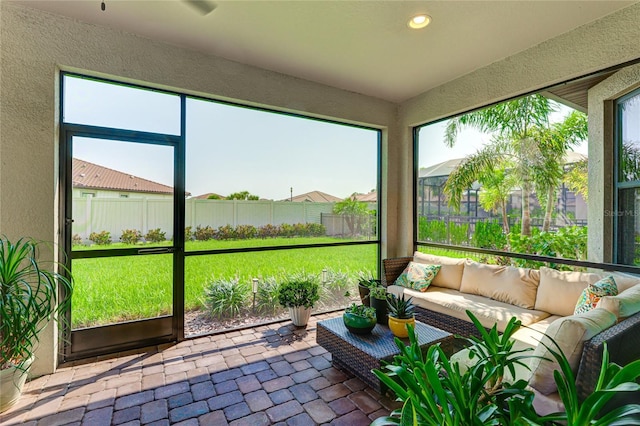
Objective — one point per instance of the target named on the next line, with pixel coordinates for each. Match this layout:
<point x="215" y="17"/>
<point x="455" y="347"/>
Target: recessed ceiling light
<point x="419" y="21"/>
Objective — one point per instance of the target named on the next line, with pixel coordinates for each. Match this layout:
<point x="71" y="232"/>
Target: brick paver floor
<point x="269" y="375"/>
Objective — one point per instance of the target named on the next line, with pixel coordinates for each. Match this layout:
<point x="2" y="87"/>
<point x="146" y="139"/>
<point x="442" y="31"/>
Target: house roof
<point x="207" y="195"/>
<point x="94" y="176"/>
<point x="291" y="37"/>
<point x="441" y="169"/>
<point x="370" y="197"/>
<point x="314" y="197"/>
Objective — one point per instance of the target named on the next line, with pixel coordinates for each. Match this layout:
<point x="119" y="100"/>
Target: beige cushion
<point x="517" y="286"/>
<point x="558" y="292"/>
<point x="454" y="303"/>
<point x="450" y="274"/>
<point x="546" y="404"/>
<point x="623" y="281"/>
<point x="624" y="304"/>
<point x="530" y="335"/>
<point x="569" y="333"/>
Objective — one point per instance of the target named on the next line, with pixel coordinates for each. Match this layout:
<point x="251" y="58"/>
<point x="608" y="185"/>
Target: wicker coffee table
<point x="361" y="353"/>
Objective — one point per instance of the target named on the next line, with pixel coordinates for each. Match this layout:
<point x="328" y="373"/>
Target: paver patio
<point x="268" y="375"/>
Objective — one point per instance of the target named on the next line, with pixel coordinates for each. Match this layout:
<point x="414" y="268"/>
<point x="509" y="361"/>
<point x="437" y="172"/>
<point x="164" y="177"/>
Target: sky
<point x="229" y="148"/>
<point x="232" y="149"/>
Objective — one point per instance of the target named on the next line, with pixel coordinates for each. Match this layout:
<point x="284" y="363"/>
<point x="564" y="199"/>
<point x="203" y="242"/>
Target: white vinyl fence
<point x="142" y="214"/>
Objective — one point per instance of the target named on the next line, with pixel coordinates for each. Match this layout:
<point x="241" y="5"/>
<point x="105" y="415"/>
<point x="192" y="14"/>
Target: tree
<point x="553" y="143"/>
<point x="576" y="178"/>
<point x="243" y="195"/>
<point x="513" y="125"/>
<point x="354" y="212"/>
<point x="496" y="187"/>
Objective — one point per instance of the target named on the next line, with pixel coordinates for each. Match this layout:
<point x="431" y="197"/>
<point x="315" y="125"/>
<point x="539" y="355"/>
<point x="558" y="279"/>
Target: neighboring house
<point x="314" y="197"/>
<point x="370" y="197"/>
<point x="432" y="201"/>
<point x="207" y="195"/>
<point x="93" y="180"/>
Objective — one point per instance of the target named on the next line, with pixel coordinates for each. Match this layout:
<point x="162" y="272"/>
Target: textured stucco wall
<point x="601" y="159"/>
<point x="607" y="42"/>
<point x="36" y="45"/>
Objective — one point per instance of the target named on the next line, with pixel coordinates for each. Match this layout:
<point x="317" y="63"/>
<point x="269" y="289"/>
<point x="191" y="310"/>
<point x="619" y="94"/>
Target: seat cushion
<point x="558" y="292"/>
<point x="455" y="304"/>
<point x="569" y="334"/>
<point x="517" y="286"/>
<point x="450" y="273"/>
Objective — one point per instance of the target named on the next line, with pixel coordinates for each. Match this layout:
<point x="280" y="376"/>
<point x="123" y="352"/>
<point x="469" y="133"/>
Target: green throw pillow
<point x="417" y="276"/>
<point x="591" y="295"/>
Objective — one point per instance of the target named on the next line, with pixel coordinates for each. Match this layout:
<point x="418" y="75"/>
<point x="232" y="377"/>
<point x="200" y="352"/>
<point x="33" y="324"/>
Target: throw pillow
<point x="417" y="276"/>
<point x="592" y="294"/>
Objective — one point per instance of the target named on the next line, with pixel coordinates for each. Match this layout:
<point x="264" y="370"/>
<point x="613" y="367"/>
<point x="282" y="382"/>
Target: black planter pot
<point x="380" y="306"/>
<point x="364" y="294"/>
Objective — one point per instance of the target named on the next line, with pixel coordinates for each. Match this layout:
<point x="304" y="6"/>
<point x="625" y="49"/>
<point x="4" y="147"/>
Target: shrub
<point x="101" y="238"/>
<point x="225" y="233"/>
<point x="267" y="297"/>
<point x="204" y="233"/>
<point x="316" y="229"/>
<point x="299" y="290"/>
<point x="76" y="240"/>
<point x="245" y="232"/>
<point x="489" y="235"/>
<point x="131" y="236"/>
<point x="188" y="233"/>
<point x="268" y="231"/>
<point x="226" y="298"/>
<point x="432" y="230"/>
<point x="569" y="243"/>
<point x="287" y="230"/>
<point x="155" y="236"/>
<point x="459" y="233"/>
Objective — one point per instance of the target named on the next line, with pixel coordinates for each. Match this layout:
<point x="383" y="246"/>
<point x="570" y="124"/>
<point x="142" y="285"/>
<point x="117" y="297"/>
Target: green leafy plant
<point x="188" y="233"/>
<point x="226" y="298"/>
<point x="299" y="290"/>
<point x="130" y="236"/>
<point x="432" y="230"/>
<point x="267" y="297"/>
<point x="204" y="233"/>
<point x="28" y="298"/>
<point x="459" y="233"/>
<point x="366" y="279"/>
<point x="399" y="307"/>
<point x="76" y="240"/>
<point x="361" y="311"/>
<point x="101" y="238"/>
<point x="378" y="292"/>
<point x="155" y="236"/>
<point x="489" y="235"/>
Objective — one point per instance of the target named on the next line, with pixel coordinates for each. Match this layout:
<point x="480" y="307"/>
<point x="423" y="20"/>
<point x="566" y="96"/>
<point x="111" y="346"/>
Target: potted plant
<point x="29" y="299"/>
<point x="359" y="319"/>
<point x="378" y="301"/>
<point x="400" y="314"/>
<point x="365" y="283"/>
<point x="299" y="294"/>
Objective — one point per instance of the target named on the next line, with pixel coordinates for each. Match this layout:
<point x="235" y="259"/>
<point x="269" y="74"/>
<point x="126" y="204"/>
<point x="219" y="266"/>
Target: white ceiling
<point x="362" y="46"/>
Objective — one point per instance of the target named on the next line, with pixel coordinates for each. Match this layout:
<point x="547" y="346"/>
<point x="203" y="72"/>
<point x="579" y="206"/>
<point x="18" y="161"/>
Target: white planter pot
<point x="12" y="381"/>
<point x="300" y="315"/>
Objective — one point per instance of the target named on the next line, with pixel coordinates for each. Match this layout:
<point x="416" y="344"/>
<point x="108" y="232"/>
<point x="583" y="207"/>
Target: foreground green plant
<point x="437" y="391"/>
<point x="28" y="299"/>
<point x="226" y="298"/>
<point x="299" y="290"/>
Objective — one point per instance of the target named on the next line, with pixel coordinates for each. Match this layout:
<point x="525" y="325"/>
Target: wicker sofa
<point x="544" y="301"/>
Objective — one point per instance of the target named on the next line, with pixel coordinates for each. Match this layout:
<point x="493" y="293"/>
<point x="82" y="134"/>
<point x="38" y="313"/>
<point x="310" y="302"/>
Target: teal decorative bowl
<point x="357" y="324"/>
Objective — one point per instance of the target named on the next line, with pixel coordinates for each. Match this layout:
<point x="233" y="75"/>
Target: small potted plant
<point x="359" y="319"/>
<point x="378" y="301"/>
<point x="29" y="288"/>
<point x="365" y="283"/>
<point x="299" y="294"/>
<point x="400" y="314"/>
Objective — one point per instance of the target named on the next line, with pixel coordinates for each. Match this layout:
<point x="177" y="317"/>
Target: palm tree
<point x="553" y="143"/>
<point x="513" y="125"/>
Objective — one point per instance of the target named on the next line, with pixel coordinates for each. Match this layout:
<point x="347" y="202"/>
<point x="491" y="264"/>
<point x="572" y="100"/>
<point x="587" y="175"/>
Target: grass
<point x="116" y="289"/>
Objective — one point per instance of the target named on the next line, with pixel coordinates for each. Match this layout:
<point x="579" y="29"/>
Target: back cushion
<point x="624" y="304"/>
<point x="507" y="284"/>
<point x="569" y="333"/>
<point x="558" y="291"/>
<point x="450" y="273"/>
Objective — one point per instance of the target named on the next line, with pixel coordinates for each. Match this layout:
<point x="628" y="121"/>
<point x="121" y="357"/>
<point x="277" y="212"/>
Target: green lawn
<point x="131" y="287"/>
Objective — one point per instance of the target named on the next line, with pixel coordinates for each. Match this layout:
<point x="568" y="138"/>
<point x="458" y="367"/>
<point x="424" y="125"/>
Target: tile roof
<point x="94" y="176"/>
<point x="370" y="197"/>
<point x="315" y="197"/>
